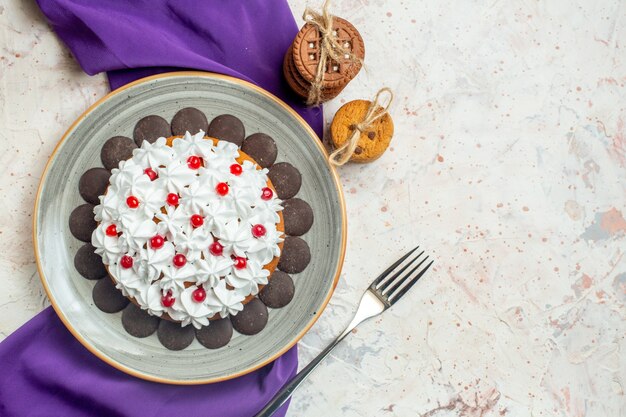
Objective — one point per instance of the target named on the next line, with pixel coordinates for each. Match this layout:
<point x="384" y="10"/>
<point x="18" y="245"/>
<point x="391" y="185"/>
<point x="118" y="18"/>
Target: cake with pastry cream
<point x="189" y="228"/>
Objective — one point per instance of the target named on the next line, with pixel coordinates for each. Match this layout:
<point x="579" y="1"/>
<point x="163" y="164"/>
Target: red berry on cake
<point x="216" y="249"/>
<point x="258" y="230"/>
<point x="236" y="169"/>
<point x="150" y="173"/>
<point x="157" y="242"/>
<point x="267" y="193"/>
<point x="240" y="262"/>
<point x="172" y="199"/>
<point x="132" y="202"/>
<point x="197" y="220"/>
<point x="180" y="260"/>
<point x="126" y="262"/>
<point x="199" y="295"/>
<point x="167" y="300"/>
<point x="221" y="188"/>
<point x="111" y="230"/>
<point x="194" y="162"/>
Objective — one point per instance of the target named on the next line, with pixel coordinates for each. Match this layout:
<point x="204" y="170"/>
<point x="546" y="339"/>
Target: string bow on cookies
<point x="368" y="138"/>
<point x="331" y="49"/>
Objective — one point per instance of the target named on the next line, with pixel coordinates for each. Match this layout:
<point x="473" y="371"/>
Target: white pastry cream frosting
<point x="187" y="230"/>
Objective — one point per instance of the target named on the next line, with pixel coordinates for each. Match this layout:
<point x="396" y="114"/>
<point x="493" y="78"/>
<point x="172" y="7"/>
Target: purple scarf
<point x="45" y="371"/>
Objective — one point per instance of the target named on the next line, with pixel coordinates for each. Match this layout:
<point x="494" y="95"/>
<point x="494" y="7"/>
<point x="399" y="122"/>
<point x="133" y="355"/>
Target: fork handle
<point x="284" y="394"/>
<point x="368" y="307"/>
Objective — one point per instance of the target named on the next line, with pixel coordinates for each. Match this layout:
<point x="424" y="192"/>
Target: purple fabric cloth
<point x="246" y="39"/>
<point x="45" y="371"/>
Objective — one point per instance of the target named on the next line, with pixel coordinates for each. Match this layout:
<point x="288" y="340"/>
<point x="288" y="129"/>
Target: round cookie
<point x="299" y="85"/>
<point x="115" y="150"/>
<point x="306" y="56"/>
<point x="252" y="319"/>
<point x="217" y="334"/>
<point x="227" y="127"/>
<point x="82" y="222"/>
<point x="298" y="216"/>
<point x="296" y="255"/>
<point x="137" y="322"/>
<point x="108" y="298"/>
<point x="279" y="291"/>
<point x="286" y="179"/>
<point x="189" y="120"/>
<point x="93" y="183"/>
<point x="261" y="148"/>
<point x="88" y="263"/>
<point x="290" y="76"/>
<point x="173" y="336"/>
<point x="151" y="128"/>
<point x="373" y="142"/>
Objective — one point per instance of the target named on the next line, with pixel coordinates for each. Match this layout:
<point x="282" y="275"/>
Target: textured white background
<point x="508" y="164"/>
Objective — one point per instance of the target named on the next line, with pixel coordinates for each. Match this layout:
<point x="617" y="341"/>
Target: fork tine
<point x="396" y="296"/>
<point x="398" y="282"/>
<point x="392" y="267"/>
<point x="384" y="285"/>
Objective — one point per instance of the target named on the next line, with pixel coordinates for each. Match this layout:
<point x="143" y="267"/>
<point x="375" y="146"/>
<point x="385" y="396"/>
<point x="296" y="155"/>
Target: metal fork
<point x="384" y="292"/>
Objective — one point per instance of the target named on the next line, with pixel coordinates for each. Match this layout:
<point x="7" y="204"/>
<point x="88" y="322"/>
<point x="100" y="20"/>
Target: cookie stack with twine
<point x="325" y="56"/>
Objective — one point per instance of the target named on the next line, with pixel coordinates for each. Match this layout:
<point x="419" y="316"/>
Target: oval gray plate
<point x="79" y="150"/>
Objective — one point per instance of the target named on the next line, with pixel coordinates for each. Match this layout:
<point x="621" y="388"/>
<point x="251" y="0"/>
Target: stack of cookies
<point x="302" y="58"/>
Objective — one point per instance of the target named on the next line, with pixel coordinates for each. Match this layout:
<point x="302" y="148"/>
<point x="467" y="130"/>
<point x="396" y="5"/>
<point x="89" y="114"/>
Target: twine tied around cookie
<point x="329" y="48"/>
<point x="375" y="111"/>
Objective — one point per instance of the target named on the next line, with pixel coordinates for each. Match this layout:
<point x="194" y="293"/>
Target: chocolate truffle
<point x="286" y="179"/>
<point x="279" y="291"/>
<point x="173" y="336"/>
<point x="261" y="148"/>
<point x="217" y="334"/>
<point x="137" y="322"/>
<point x="227" y="127"/>
<point x="82" y="222"/>
<point x="151" y="128"/>
<point x="296" y="255"/>
<point x="252" y="319"/>
<point x="298" y="216"/>
<point x="189" y="120"/>
<point x="108" y="298"/>
<point x="93" y="183"/>
<point x="88" y="263"/>
<point x="115" y="150"/>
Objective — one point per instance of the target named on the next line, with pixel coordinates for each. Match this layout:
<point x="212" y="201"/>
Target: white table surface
<point x="508" y="164"/>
